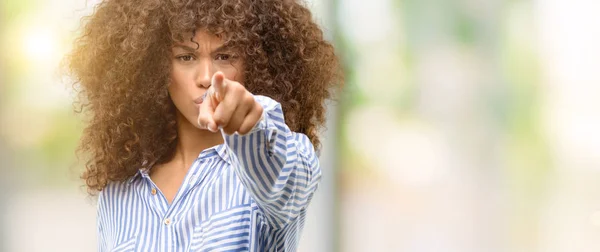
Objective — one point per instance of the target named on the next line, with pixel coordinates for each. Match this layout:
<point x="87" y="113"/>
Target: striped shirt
<point x="248" y="194"/>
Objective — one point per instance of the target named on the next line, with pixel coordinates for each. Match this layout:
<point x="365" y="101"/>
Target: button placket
<point x="155" y="200"/>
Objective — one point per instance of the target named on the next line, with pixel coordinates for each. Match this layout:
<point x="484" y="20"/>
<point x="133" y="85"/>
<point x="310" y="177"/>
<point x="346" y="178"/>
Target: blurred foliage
<point x="49" y="160"/>
<point x="496" y="34"/>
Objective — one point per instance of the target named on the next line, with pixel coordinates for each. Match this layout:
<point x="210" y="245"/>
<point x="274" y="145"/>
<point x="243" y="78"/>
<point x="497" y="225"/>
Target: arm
<point x="278" y="167"/>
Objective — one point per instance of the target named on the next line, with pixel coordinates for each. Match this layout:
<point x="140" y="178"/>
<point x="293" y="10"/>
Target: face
<point x="192" y="67"/>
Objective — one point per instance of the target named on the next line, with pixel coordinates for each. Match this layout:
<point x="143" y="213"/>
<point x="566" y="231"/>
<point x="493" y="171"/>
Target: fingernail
<point x="211" y="127"/>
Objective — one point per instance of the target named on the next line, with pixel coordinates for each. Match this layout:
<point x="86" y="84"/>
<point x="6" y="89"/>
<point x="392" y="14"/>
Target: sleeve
<point x="102" y="245"/>
<point x="278" y="167"/>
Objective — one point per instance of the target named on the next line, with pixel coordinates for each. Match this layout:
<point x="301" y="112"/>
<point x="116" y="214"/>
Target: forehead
<point x="201" y="36"/>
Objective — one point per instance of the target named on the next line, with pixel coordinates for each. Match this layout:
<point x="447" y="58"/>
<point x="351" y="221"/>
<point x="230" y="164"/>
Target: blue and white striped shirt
<point x="248" y="194"/>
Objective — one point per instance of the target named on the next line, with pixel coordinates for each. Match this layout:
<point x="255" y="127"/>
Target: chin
<point x="192" y="120"/>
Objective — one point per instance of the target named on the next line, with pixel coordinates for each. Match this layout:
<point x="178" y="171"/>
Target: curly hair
<point x="120" y="66"/>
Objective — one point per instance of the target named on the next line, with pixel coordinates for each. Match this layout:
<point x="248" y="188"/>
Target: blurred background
<point x="464" y="125"/>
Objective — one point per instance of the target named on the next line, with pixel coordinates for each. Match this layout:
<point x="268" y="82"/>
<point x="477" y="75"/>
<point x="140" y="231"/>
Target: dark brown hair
<point x="120" y="65"/>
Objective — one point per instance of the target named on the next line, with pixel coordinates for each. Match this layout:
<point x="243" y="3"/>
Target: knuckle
<point x="243" y="130"/>
<point x="220" y="121"/>
<point x="249" y="99"/>
<point x="217" y="118"/>
<point x="239" y="89"/>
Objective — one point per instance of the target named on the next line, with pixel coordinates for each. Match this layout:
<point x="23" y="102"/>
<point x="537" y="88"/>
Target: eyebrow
<point x="187" y="48"/>
<point x="221" y="48"/>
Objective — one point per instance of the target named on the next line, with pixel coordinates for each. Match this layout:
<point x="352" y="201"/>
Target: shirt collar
<point x="220" y="151"/>
<point x="141" y="172"/>
<point x="132" y="178"/>
<point x="223" y="152"/>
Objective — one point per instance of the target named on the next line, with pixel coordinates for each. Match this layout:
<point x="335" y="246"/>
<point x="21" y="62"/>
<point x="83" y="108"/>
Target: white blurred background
<point x="465" y="125"/>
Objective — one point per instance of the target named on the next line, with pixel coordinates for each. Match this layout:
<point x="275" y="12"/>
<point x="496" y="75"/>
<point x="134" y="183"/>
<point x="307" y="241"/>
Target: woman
<point x="202" y="121"/>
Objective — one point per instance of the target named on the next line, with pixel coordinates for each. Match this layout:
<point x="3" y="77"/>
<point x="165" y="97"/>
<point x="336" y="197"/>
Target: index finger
<point x="219" y="84"/>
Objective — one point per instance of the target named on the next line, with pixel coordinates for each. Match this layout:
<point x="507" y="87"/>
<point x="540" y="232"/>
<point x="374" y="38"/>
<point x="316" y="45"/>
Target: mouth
<point x="200" y="99"/>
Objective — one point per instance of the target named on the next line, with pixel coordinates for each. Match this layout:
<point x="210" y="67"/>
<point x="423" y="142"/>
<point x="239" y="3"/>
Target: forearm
<point x="277" y="166"/>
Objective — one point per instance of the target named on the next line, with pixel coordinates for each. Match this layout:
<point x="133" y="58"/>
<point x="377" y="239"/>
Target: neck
<point x="191" y="141"/>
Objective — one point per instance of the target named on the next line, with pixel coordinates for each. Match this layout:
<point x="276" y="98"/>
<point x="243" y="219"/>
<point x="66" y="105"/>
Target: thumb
<point x="219" y="84"/>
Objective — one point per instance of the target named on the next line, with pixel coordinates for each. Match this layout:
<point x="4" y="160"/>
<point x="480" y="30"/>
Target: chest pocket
<point x="126" y="246"/>
<point x="229" y="230"/>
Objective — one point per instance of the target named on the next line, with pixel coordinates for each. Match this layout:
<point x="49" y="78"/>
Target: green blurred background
<point x="464" y="125"/>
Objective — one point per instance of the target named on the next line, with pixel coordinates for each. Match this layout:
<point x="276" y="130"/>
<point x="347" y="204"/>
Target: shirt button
<point x="153" y="191"/>
<point x="167" y="221"/>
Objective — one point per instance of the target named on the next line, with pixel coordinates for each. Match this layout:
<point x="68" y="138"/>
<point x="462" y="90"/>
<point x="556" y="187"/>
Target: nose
<point x="205" y="73"/>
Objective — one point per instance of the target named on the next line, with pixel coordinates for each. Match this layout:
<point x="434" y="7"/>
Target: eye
<point x="223" y="56"/>
<point x="185" y="58"/>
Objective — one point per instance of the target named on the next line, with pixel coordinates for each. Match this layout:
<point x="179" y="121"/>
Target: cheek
<point x="235" y="73"/>
<point x="177" y="76"/>
<point x="178" y="82"/>
<point x="174" y="89"/>
<point x="180" y="88"/>
<point x="239" y="77"/>
<point x="178" y="92"/>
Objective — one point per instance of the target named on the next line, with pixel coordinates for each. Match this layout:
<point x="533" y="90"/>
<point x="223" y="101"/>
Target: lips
<point x="200" y="99"/>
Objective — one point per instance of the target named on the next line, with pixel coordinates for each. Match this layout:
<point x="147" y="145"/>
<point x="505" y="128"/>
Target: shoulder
<point x="304" y="145"/>
<point x="267" y="102"/>
<point x="114" y="190"/>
